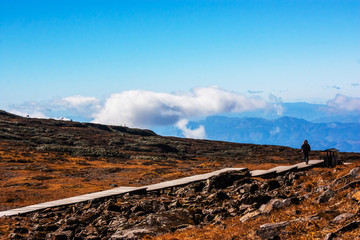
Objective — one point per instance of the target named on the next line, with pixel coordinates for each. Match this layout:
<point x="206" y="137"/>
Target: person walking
<point x="306" y="150"/>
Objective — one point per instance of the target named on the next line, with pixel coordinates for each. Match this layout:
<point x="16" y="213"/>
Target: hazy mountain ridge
<point x="286" y="131"/>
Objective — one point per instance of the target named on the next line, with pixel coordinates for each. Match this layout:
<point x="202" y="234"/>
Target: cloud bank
<point x="140" y="108"/>
<point x="79" y="105"/>
<point x="342" y="102"/>
<point x="146" y="109"/>
<point x="59" y="107"/>
<point x="198" y="133"/>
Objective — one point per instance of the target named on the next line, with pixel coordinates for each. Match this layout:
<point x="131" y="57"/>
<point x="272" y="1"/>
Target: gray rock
<point x="320" y="189"/>
<point x="274" y="204"/>
<point x="342" y="217"/>
<point x="225" y="179"/>
<point x="250" y="215"/>
<point x="63" y="235"/>
<point x="354" y="173"/>
<point x="271" y="230"/>
<point x="325" y="196"/>
<point x="353" y="184"/>
<point x="130" y="234"/>
<point x="164" y="221"/>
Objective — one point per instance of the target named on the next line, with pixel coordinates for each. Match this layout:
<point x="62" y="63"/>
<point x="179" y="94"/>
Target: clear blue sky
<point x="297" y="50"/>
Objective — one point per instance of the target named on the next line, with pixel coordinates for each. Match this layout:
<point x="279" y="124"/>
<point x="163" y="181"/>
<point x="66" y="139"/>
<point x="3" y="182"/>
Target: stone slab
<point x="282" y="169"/>
<point x="311" y="163"/>
<point x="261" y="173"/>
<point x="191" y="179"/>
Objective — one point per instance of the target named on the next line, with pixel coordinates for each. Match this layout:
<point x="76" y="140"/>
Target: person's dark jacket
<point x="305" y="148"/>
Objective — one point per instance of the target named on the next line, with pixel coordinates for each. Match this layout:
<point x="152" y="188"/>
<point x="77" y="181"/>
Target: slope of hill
<point x="45" y="159"/>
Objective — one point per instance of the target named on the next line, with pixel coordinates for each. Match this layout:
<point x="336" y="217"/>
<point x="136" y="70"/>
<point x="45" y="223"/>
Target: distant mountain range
<point x="285" y="131"/>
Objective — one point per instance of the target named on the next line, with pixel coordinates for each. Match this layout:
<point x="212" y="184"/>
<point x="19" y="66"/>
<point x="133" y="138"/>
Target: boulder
<point x="257" y="199"/>
<point x="63" y="235"/>
<point x="225" y="179"/>
<point x="250" y="215"/>
<point x="325" y="196"/>
<point x="271" y="230"/>
<point x="164" y="221"/>
<point x="270" y="185"/>
<point x="274" y="204"/>
<point x="342" y="217"/>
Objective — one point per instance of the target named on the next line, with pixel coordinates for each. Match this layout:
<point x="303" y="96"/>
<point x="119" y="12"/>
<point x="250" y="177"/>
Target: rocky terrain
<point x="43" y="160"/>
<point x="319" y="208"/>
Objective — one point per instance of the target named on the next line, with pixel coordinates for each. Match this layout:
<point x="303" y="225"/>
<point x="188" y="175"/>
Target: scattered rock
<point x="130" y="234"/>
<point x="350" y="185"/>
<point x="225" y="179"/>
<point x="342" y="217"/>
<point x="349" y="227"/>
<point x="330" y="236"/>
<point x="63" y="235"/>
<point x="354" y="173"/>
<point x="21" y="230"/>
<point x="221" y="195"/>
<point x="325" y="196"/>
<point x="270" y="185"/>
<point x="274" y="204"/>
<point x="15" y="236"/>
<point x="250" y="215"/>
<point x="271" y="230"/>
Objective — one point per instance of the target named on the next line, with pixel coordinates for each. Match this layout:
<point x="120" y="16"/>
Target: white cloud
<point x="31" y="113"/>
<point x="59" y="107"/>
<point x="198" y="133"/>
<point x="78" y="101"/>
<point x="277" y="104"/>
<point x="31" y="109"/>
<point x="342" y="102"/>
<point x="84" y="106"/>
<point x="275" y="131"/>
<point x="139" y="108"/>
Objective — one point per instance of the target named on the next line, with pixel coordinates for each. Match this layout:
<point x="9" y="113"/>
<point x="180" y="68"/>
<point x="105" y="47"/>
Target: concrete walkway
<point x="72" y="200"/>
<point x="156" y="187"/>
<point x="191" y="179"/>
<point x="283" y="169"/>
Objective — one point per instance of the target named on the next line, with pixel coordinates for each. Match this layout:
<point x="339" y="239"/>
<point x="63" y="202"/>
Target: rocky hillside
<point x="314" y="204"/>
<point x="45" y="159"/>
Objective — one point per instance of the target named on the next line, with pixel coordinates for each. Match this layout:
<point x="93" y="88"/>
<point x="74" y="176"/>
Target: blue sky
<point x="89" y="51"/>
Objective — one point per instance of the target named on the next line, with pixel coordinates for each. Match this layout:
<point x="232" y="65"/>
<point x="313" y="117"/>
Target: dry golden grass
<point x="30" y="177"/>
